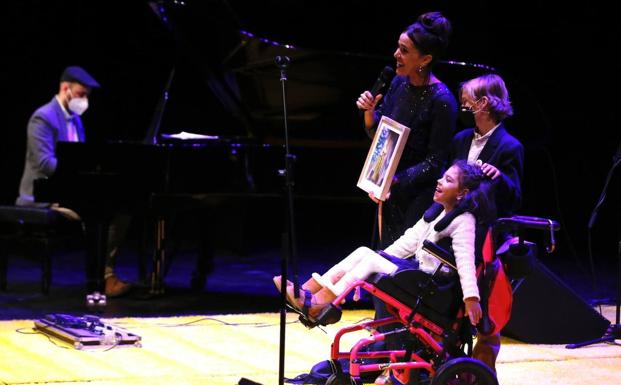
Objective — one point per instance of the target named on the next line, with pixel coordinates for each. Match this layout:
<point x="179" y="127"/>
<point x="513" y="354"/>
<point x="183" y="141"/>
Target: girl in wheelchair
<point x="466" y="201"/>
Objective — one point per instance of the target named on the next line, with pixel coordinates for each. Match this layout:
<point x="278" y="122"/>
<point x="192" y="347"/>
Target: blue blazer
<point x="505" y="153"/>
<point x="46" y="127"/>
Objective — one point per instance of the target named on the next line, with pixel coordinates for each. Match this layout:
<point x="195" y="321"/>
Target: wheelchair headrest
<point x="435" y="209"/>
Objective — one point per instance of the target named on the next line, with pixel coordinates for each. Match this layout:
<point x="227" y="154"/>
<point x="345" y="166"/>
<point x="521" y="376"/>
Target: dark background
<point x="557" y="61"/>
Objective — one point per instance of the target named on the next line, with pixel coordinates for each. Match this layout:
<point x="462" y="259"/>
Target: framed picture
<point x="383" y="157"/>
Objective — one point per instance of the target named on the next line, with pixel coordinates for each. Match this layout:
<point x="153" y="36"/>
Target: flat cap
<point x="79" y="74"/>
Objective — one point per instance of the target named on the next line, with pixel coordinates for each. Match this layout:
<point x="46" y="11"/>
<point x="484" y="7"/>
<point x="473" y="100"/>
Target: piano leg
<point x="97" y="244"/>
<point x="159" y="257"/>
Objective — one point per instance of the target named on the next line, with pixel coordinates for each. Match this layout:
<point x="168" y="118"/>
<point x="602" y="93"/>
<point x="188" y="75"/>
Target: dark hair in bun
<point x="430" y="34"/>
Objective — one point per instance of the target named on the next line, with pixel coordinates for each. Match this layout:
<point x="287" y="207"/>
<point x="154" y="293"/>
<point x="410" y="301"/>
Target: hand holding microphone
<point x="368" y="99"/>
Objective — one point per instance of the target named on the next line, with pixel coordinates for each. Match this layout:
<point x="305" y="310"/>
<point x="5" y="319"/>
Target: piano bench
<point x="31" y="231"/>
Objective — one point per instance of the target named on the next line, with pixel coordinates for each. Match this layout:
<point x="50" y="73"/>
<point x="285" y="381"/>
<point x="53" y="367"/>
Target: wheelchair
<point x="429" y="311"/>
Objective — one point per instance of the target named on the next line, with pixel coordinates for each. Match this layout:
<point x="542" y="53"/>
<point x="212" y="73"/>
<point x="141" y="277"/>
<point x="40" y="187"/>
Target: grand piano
<point x="99" y="180"/>
<point x="236" y="68"/>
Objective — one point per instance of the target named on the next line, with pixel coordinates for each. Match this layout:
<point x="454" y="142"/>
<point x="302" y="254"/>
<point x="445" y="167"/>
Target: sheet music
<point x="189" y="136"/>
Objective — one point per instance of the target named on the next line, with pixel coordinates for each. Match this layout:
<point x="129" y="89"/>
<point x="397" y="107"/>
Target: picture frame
<point x="383" y="157"/>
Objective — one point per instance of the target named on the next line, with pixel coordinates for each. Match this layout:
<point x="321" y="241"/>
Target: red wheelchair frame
<point x="417" y="324"/>
<point x="440" y="335"/>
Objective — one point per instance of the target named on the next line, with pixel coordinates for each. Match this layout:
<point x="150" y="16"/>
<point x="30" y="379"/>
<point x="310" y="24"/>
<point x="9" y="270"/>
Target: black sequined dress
<point x="430" y="111"/>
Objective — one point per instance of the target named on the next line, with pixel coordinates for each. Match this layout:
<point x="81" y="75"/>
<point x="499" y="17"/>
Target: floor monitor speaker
<point x="547" y="311"/>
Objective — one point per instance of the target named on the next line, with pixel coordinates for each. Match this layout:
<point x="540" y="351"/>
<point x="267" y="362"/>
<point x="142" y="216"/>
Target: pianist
<point x="59" y="120"/>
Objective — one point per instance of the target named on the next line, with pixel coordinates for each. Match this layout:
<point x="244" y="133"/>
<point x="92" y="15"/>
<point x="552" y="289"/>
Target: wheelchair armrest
<point x="521" y="221"/>
<point x="446" y="257"/>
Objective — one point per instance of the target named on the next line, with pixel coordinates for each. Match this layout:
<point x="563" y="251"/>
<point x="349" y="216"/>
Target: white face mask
<point x="78" y="105"/>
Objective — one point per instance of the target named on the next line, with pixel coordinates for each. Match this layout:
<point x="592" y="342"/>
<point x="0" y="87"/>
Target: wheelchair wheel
<point x="464" y="371"/>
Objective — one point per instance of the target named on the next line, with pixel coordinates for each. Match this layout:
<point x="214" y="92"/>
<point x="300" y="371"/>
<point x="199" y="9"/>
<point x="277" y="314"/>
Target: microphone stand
<point x="288" y="237"/>
<point x="614" y="330"/>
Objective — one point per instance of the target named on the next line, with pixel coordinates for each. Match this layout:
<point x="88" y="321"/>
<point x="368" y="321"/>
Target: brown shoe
<point x="115" y="287"/>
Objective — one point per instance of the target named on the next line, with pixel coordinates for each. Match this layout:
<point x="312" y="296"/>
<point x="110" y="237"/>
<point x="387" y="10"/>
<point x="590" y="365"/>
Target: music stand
<point x="614" y="330"/>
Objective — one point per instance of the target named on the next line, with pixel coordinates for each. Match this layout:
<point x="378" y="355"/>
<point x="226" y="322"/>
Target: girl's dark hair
<point x="479" y="200"/>
<point x="430" y="34"/>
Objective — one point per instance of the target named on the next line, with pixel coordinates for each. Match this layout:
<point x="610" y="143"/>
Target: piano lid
<point x="226" y="82"/>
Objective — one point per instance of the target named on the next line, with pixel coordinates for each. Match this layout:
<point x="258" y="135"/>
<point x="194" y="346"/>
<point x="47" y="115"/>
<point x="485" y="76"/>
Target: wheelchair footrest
<point x="329" y="315"/>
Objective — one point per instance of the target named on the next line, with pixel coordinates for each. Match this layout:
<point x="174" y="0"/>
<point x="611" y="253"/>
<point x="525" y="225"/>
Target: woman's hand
<point x="473" y="310"/>
<point x="366" y="101"/>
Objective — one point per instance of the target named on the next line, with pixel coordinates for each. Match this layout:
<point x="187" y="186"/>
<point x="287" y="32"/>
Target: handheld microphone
<point x="385" y="77"/>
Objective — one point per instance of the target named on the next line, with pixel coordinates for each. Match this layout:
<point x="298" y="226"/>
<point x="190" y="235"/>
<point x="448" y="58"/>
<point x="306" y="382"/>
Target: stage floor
<point x="229" y="330"/>
<point x="236" y="284"/>
<point x="221" y="349"/>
